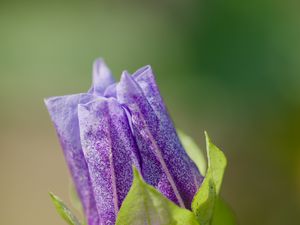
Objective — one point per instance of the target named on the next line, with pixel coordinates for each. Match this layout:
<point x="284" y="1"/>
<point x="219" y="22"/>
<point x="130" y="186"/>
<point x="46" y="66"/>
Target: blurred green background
<point x="229" y="67"/>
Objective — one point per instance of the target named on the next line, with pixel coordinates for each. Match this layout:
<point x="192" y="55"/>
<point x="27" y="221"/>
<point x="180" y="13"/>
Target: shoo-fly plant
<point x="129" y="164"/>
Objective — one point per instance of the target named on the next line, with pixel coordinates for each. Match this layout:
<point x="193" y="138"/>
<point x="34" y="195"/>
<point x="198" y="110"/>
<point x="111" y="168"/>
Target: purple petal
<point x="102" y="77"/>
<point x="110" y="151"/>
<point x="110" y="91"/>
<point x="146" y="80"/>
<point x="165" y="164"/>
<point x="63" y="112"/>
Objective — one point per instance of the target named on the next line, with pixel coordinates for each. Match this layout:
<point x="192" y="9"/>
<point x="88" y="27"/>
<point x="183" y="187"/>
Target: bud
<point x="114" y="126"/>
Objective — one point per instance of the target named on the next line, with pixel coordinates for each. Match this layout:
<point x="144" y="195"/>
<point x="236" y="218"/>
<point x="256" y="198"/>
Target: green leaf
<point x="145" y="205"/>
<point x="205" y="200"/>
<point x="194" y="152"/>
<point x="64" y="211"/>
<point x="217" y="163"/>
<point x="223" y="214"/>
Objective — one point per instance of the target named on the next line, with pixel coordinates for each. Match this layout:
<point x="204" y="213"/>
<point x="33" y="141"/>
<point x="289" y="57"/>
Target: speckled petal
<point x="110" y="151"/>
<point x="63" y="112"/>
<point x="145" y="78"/>
<point x="165" y="164"/>
<point x="102" y="77"/>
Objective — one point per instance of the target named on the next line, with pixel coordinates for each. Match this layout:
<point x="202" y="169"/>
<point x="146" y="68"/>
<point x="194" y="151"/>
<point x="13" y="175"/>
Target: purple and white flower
<point x="114" y="126"/>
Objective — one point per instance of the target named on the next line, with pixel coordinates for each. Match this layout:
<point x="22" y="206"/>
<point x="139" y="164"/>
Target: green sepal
<point x="64" y="211"/>
<point x="217" y="163"/>
<point x="145" y="205"/>
<point x="206" y="198"/>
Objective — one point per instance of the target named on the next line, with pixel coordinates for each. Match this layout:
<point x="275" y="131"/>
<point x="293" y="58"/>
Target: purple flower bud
<point x="114" y="126"/>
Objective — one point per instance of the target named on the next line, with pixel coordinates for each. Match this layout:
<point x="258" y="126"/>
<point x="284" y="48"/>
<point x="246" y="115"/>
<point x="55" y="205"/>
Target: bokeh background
<point x="229" y="67"/>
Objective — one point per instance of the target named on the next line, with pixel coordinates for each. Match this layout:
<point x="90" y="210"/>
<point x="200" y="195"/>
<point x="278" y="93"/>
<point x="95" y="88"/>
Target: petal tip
<point x="100" y="68"/>
<point x="102" y="77"/>
<point x="49" y="102"/>
<point x="143" y="71"/>
<point x="97" y="63"/>
<point x="126" y="79"/>
<point x="46" y="101"/>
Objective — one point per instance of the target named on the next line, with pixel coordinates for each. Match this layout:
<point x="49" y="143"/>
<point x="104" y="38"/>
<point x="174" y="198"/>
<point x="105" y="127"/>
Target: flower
<point x="116" y="125"/>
